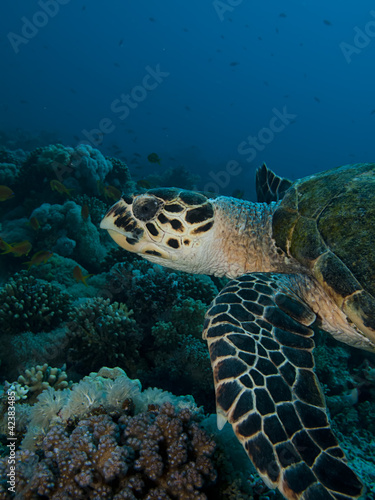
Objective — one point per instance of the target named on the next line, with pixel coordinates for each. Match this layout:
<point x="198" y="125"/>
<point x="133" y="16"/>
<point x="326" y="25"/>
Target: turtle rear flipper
<point x="269" y="186"/>
<point x="260" y="344"/>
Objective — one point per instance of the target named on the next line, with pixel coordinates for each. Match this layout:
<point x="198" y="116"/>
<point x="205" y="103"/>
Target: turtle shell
<point x="327" y="222"/>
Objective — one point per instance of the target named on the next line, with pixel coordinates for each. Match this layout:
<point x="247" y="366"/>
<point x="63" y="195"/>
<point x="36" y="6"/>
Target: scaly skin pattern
<point x="257" y="329"/>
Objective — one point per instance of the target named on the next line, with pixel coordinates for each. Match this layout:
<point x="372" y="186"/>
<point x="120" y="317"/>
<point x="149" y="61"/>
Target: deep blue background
<point x="228" y="68"/>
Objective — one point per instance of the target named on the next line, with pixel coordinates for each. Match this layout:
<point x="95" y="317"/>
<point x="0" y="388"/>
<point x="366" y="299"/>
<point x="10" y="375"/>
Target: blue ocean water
<point x="101" y="98"/>
<point x="224" y="70"/>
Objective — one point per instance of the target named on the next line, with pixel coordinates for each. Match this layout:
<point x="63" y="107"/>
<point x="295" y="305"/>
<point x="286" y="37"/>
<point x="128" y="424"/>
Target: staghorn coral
<point x="102" y="333"/>
<point x="30" y="304"/>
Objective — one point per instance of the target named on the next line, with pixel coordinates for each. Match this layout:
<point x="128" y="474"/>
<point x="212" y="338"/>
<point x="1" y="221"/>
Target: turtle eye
<point x="145" y="207"/>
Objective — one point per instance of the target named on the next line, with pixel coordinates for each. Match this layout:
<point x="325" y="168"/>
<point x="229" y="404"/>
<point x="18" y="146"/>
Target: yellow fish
<point x="78" y="275"/>
<point x="5" y="193"/>
<point x="34" y="223"/>
<point x="59" y="187"/>
<point x="112" y="193"/>
<point x="18" y="249"/>
<point x="153" y="158"/>
<point x="38" y="258"/>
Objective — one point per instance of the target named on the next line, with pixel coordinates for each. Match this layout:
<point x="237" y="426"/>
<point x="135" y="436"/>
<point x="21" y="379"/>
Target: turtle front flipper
<point x="261" y="346"/>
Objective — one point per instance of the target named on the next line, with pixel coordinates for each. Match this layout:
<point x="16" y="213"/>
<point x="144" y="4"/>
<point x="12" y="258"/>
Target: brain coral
<point x="31" y="304"/>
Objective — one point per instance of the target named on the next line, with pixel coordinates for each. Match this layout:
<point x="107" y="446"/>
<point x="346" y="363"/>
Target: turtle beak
<point x="121" y="225"/>
<point x="113" y="214"/>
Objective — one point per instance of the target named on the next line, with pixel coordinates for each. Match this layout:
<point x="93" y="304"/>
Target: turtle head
<point x="168" y="226"/>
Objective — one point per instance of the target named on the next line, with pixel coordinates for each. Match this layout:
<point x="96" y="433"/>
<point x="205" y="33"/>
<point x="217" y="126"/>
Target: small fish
<point x="327" y="23"/>
<point x="316" y="99"/>
<point x="142" y="183"/>
<point x="5" y="193"/>
<point x="282" y="14"/>
<point x="85" y="212"/>
<point x="372" y="112"/>
<point x="153" y="158"/>
<point x="111" y="192"/>
<point x="78" y="275"/>
<point x="59" y="187"/>
<point x="34" y="223"/>
<point x="238" y="193"/>
<point x="152" y="19"/>
<point x="38" y="258"/>
<point x="234" y="63"/>
<point x="18" y="249"/>
<point x="121" y="42"/>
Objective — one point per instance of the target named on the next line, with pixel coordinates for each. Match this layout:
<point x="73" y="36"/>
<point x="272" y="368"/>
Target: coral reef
<point x="84" y="163"/>
<point x="38" y="378"/>
<point x="120" y="174"/>
<point x="64" y="232"/>
<point x="96" y="207"/>
<point x="157" y="454"/>
<point x="102" y="333"/>
<point x="91" y="442"/>
<point x="350" y="395"/>
<point x="30" y="304"/>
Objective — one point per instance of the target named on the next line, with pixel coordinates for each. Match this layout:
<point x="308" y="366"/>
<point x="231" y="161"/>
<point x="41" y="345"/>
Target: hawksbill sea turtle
<point x="304" y="254"/>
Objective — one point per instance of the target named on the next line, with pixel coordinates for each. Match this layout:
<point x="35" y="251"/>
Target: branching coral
<point x="169" y="308"/>
<point x="99" y="440"/>
<point x="182" y="355"/>
<point x="40" y="377"/>
<point x="96" y="207"/>
<point x="30" y="304"/>
<point x="161" y="453"/>
<point x="151" y="290"/>
<point x="120" y="172"/>
<point x="103" y="334"/>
